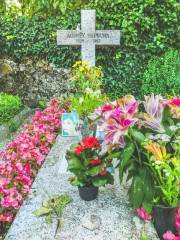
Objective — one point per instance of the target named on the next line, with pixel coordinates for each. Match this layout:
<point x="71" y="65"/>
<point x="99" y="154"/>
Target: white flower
<point x="158" y="162"/>
<point x="162" y="137"/>
<point x="81" y="99"/>
<point x="173" y="128"/>
<point x="167" y="174"/>
<point x="88" y="90"/>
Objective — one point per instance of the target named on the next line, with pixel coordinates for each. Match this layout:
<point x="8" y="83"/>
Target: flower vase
<point x="164" y="220"/>
<point x="88" y="193"/>
<point x="85" y="128"/>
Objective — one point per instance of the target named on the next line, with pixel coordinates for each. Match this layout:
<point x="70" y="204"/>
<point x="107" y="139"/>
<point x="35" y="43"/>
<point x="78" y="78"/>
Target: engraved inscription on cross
<point x="88" y="37"/>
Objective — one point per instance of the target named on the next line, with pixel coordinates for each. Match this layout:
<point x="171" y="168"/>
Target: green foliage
<point x="162" y="75"/>
<point x="2" y="7"/>
<point x="147" y="30"/>
<point x="54" y="205"/>
<point x="86" y="103"/>
<point x="13" y="125"/>
<point x="85" y="77"/>
<point x="144" y="236"/>
<point x="9" y="106"/>
<point x="43" y="7"/>
<point x="134" y="164"/>
<point x="42" y="104"/>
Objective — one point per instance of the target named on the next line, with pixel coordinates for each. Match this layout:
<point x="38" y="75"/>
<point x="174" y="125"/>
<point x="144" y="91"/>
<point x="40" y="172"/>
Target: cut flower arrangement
<point x="23" y="157"/>
<point x="149" y="146"/>
<point x="91" y="168"/>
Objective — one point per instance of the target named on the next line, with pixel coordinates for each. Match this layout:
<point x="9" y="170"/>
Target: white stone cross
<point x="88" y="37"/>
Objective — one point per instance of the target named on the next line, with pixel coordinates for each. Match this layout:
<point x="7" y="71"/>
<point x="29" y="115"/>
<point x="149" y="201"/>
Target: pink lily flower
<point x="154" y="112"/>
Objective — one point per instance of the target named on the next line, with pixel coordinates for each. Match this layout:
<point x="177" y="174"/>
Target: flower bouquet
<point x="149" y="146"/>
<point x="91" y="168"/>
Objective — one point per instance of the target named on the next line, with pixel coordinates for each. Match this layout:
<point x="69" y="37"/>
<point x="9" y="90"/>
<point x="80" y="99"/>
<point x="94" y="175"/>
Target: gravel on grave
<point x="107" y="217"/>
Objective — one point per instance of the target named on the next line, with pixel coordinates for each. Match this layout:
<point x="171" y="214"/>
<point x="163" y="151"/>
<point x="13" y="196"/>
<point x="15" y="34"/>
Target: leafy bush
<point x="162" y="75"/>
<point x="9" y="106"/>
<point x="86" y="103"/>
<point x="83" y="76"/>
<point x="147" y="29"/>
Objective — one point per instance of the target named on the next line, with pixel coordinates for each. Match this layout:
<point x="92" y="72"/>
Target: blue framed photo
<point x="70" y="123"/>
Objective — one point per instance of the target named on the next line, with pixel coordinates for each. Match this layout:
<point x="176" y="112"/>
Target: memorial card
<point x="70" y="123"/>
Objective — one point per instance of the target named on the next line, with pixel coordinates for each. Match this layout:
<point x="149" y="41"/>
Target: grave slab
<point x="107" y="217"/>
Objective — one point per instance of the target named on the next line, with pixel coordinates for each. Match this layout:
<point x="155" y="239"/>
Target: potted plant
<point x="149" y="145"/>
<point x="91" y="169"/>
<point x="164" y="161"/>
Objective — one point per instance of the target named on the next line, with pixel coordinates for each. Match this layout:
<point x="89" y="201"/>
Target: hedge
<point x="162" y="75"/>
<point x="148" y="28"/>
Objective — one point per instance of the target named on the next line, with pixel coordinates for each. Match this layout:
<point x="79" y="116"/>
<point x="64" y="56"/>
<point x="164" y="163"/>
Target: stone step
<point x="107" y="217"/>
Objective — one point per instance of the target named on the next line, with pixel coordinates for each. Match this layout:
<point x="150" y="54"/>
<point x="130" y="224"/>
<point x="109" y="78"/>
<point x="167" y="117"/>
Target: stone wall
<point x="32" y="81"/>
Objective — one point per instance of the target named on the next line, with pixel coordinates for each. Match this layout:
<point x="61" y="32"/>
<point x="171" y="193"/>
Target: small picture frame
<point x="70" y="124"/>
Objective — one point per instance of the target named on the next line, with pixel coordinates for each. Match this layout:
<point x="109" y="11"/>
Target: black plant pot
<point x="88" y="193"/>
<point x="164" y="220"/>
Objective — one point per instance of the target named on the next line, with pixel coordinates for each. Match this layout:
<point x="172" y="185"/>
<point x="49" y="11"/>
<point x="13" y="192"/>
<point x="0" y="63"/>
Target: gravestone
<point x="88" y="37"/>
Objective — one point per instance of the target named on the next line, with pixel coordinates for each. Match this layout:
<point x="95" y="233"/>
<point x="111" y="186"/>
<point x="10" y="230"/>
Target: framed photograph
<point x="70" y="123"/>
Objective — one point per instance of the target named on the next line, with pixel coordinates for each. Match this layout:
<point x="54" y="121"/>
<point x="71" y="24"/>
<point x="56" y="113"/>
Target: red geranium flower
<point x="95" y="162"/>
<point x="90" y="142"/>
<point x="103" y="172"/>
<point x="79" y="150"/>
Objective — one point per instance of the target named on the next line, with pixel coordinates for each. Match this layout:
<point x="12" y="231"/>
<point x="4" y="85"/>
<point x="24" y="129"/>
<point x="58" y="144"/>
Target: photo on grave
<point x="70" y="123"/>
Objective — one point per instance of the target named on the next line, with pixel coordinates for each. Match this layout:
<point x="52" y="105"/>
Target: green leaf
<point x="136" y="192"/>
<point x="74" y="163"/>
<point x="138" y="136"/>
<point x="86" y="160"/>
<point x="76" y="182"/>
<point x="114" y="155"/>
<point x="148" y="187"/>
<point x="99" y="181"/>
<point x="125" y="158"/>
<point x="73" y="147"/>
<point x="94" y="170"/>
<point x="42" y="211"/>
<point x="148" y="207"/>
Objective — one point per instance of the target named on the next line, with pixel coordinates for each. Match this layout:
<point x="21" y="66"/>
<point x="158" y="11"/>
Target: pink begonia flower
<point x="142" y="214"/>
<point x="25" y="154"/>
<point x="7" y="217"/>
<point x="169" y="236"/>
<point x="178" y="223"/>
